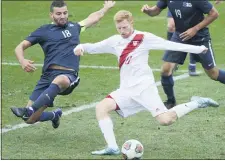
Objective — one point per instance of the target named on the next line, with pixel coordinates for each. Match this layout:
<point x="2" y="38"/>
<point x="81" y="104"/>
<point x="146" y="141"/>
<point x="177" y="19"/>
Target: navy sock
<point x="221" y="76"/>
<point x="167" y="83"/>
<point x="192" y="60"/>
<point x="46" y="116"/>
<point x="192" y="67"/>
<point x="169" y="35"/>
<point x="192" y="64"/>
<point x="47" y="97"/>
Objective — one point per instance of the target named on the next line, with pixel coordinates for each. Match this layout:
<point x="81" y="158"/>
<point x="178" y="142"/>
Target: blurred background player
<point x="191" y="28"/>
<point x="61" y="66"/>
<point x="137" y="90"/>
<point x="170" y="31"/>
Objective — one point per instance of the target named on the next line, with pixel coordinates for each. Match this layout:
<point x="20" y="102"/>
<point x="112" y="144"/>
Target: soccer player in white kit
<point x="137" y="90"/>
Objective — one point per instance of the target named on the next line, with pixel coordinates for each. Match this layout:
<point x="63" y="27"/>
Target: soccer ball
<point x="132" y="149"/>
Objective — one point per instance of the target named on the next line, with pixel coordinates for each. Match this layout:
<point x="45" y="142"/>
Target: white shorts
<point x="130" y="103"/>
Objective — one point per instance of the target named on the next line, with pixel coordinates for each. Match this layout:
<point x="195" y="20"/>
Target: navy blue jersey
<point x="187" y="14"/>
<point x="58" y="43"/>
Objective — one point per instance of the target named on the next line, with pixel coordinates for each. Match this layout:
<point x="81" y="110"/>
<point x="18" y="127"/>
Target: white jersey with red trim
<point x="135" y="68"/>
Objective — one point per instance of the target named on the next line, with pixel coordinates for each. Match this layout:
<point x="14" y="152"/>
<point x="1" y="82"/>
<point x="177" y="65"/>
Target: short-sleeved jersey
<point x="135" y="69"/>
<point x="188" y="13"/>
<point x="58" y="43"/>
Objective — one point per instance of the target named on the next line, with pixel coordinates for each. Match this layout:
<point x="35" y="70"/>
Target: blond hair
<point x="123" y="15"/>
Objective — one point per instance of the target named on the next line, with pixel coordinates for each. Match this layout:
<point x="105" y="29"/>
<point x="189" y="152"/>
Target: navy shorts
<point x="47" y="78"/>
<point x="207" y="60"/>
<point x="169" y="15"/>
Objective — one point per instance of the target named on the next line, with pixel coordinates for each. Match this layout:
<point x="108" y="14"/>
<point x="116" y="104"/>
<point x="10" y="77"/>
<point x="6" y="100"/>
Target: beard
<point x="60" y="22"/>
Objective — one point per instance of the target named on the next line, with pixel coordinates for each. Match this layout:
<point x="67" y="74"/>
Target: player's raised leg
<point x="179" y="111"/>
<point x="59" y="84"/>
<point x="192" y="66"/>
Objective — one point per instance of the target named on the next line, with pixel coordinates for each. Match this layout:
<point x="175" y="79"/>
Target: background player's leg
<point x="216" y="74"/>
<point x="208" y="63"/>
<point x="221" y="76"/>
<point x="168" y="83"/>
<point x="192" y="66"/>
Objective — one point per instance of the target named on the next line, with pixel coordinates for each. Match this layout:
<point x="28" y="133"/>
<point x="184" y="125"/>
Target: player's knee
<point x="213" y="73"/>
<point x="165" y="122"/>
<point x="62" y="81"/>
<point x="30" y="121"/>
<point x="165" y="119"/>
<point x="166" y="69"/>
<point x="99" y="108"/>
<point x="105" y="106"/>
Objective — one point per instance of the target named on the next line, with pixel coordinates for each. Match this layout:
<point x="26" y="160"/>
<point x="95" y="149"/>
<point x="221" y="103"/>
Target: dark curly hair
<point x="57" y="3"/>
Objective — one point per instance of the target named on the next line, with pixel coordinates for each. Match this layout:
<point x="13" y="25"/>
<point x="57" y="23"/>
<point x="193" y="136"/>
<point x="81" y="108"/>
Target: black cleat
<point x="56" y="120"/>
<point x="169" y="104"/>
<point x="19" y="112"/>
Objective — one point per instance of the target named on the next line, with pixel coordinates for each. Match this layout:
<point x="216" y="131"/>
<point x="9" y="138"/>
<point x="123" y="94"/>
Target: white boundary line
<point x="81" y="108"/>
<point x="90" y="66"/>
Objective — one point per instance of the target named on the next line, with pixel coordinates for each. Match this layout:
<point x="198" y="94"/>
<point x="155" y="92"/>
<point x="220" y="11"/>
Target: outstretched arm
<point x="95" y="17"/>
<point x="157" y="43"/>
<point x="101" y="47"/>
<point x="151" y="11"/>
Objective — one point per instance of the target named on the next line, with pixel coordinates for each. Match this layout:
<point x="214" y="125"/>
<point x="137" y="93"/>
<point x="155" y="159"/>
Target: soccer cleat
<point x="56" y="120"/>
<point x="19" y="112"/>
<point x="169" y="104"/>
<point x="106" y="151"/>
<point x="204" y="102"/>
<point x="193" y="73"/>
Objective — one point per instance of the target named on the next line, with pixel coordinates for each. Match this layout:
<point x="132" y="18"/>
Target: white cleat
<point x="106" y="151"/>
<point x="204" y="102"/>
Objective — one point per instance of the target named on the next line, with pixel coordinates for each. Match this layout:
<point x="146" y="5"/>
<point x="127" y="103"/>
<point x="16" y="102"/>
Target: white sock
<point x="184" y="108"/>
<point x="106" y="126"/>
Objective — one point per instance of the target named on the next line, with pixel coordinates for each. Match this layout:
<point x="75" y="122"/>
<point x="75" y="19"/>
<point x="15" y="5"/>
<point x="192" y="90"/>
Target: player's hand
<point x="218" y="1"/>
<point x="146" y="9"/>
<point x="109" y="4"/>
<point x="204" y="49"/>
<point x="78" y="50"/>
<point x="188" y="34"/>
<point x="28" y="65"/>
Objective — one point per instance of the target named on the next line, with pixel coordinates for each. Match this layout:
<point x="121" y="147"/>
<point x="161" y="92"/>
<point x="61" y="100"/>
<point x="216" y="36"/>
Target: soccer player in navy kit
<point x="61" y="66"/>
<point x="170" y="31"/>
<point x="191" y="28"/>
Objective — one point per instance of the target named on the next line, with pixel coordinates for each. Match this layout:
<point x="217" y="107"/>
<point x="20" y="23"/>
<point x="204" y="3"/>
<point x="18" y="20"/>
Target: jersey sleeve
<point x="105" y="46"/>
<point x="154" y="42"/>
<point x="82" y="26"/>
<point x="36" y="36"/>
<point x="162" y="4"/>
<point x="204" y="5"/>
